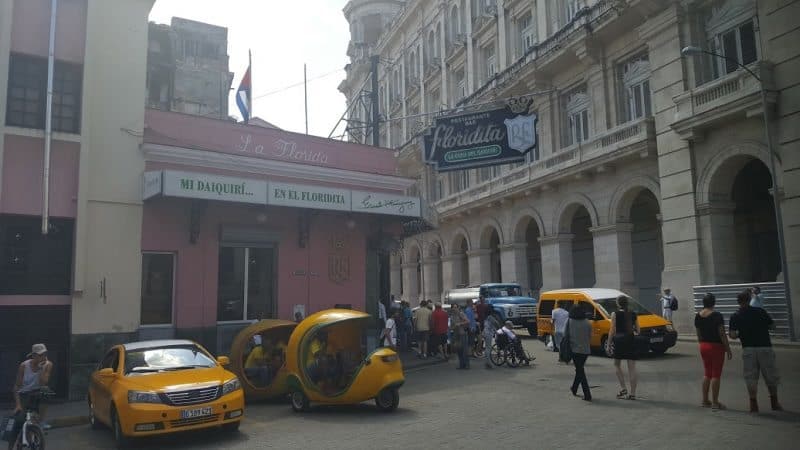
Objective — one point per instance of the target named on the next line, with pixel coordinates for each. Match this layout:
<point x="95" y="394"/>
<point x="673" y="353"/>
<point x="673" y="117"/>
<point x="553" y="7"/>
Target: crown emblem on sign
<point x="520" y="105"/>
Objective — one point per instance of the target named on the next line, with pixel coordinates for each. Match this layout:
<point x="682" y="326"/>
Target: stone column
<point x="451" y="271"/>
<point x="514" y="264"/>
<point x="410" y="283"/>
<point x="444" y="90"/>
<point x="718" y="242"/>
<point x="541" y="18"/>
<point x="502" y="41"/>
<point x="613" y="257"/>
<point x="395" y="279"/>
<point x="682" y="268"/>
<point x="469" y="65"/>
<point x="430" y="288"/>
<point x="480" y="266"/>
<point x="557" y="270"/>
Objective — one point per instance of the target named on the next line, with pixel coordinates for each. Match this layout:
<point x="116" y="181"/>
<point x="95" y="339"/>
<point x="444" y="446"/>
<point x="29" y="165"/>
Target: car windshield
<point x="505" y="291"/>
<point x="609" y="305"/>
<point x="161" y="359"/>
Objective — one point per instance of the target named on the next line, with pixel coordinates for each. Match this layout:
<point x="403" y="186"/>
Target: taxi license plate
<point x="656" y="339"/>
<point x="197" y="412"/>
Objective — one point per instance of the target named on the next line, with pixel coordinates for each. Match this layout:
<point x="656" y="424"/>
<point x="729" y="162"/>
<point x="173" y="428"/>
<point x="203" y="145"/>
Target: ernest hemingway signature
<point x="401" y="205"/>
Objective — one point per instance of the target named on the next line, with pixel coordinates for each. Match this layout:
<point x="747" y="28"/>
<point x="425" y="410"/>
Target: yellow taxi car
<point x="599" y="304"/>
<point x="156" y="387"/>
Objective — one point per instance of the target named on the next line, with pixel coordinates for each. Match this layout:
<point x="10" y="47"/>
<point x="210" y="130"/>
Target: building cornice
<point x="213" y="160"/>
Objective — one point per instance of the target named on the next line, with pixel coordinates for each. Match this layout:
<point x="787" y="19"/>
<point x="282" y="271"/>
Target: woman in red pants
<point x="714" y="345"/>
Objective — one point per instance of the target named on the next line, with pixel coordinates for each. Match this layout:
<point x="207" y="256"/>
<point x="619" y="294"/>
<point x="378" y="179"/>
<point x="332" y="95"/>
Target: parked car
<point x="156" y="387"/>
<point x="599" y="304"/>
<point x="507" y="300"/>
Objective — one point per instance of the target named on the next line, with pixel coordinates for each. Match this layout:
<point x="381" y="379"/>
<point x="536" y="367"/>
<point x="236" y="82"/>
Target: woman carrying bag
<point x="624" y="328"/>
<point x="576" y="346"/>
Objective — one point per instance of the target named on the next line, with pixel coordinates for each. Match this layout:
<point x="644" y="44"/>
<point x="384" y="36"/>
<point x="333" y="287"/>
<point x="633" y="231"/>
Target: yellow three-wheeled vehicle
<point x="327" y="363"/>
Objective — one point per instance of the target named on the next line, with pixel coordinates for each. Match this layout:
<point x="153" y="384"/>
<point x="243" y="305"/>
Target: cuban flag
<point x="244" y="96"/>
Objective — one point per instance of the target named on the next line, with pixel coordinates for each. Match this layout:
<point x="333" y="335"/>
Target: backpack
<point x="673" y="305"/>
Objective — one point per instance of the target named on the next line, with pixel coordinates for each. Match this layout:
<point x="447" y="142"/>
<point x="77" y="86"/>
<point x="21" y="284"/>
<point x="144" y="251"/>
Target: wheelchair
<point x="506" y="351"/>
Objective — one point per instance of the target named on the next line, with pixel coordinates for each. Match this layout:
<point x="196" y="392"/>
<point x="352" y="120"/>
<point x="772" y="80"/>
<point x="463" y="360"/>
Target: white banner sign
<point x="380" y="203"/>
<point x="303" y="196"/>
<point x="214" y="187"/>
<point x="151" y="185"/>
<point x="174" y="183"/>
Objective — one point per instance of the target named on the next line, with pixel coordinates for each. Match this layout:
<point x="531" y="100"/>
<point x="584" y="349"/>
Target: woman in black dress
<point x="624" y="328"/>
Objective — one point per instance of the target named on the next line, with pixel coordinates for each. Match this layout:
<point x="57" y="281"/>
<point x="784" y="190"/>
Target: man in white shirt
<point x="667" y="304"/>
<point x="559" y="316"/>
<point x="390" y="331"/>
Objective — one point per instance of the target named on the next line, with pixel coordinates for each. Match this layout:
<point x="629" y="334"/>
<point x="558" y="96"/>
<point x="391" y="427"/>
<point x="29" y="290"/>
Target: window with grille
<point x="576" y="106"/>
<point x="737" y="45"/>
<point x="527" y="33"/>
<point x="491" y="61"/>
<point x="27" y="93"/>
<point x="635" y="88"/>
<point x="731" y="28"/>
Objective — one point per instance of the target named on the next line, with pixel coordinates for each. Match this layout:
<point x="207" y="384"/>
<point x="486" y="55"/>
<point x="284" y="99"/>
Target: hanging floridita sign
<point x="487" y="138"/>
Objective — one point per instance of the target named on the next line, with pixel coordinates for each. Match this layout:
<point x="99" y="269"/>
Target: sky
<point x="282" y="35"/>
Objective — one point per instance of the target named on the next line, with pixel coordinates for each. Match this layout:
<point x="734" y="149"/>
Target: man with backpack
<point x="669" y="303"/>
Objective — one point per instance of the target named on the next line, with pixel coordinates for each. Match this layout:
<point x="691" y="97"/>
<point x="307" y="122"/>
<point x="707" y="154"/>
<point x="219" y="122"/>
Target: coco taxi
<point x="157" y="387"/>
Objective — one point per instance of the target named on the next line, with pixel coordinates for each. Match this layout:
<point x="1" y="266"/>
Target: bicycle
<point x="31" y="434"/>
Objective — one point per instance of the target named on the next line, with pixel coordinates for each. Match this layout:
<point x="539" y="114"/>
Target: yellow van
<point x="599" y="304"/>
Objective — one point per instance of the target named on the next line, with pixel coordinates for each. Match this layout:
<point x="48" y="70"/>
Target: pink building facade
<point x="244" y="223"/>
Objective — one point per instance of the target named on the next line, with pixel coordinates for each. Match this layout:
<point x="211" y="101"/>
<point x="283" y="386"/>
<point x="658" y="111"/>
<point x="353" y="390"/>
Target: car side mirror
<point x="223" y="360"/>
<point x="107" y="372"/>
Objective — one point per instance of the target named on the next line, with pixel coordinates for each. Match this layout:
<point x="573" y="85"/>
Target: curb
<point x="779" y="343"/>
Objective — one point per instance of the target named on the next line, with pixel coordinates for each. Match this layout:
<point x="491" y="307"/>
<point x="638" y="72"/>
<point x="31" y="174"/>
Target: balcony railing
<point x="585" y="19"/>
<point x="717" y="100"/>
<point x="618" y="142"/>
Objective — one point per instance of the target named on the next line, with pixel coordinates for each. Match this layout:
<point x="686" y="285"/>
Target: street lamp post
<point x="696" y="51"/>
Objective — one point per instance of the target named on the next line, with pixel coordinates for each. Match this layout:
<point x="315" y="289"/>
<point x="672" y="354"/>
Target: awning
<point x="173" y="183"/>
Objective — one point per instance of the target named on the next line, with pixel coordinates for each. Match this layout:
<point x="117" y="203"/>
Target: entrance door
<point x="23" y="326"/>
<point x="247" y="283"/>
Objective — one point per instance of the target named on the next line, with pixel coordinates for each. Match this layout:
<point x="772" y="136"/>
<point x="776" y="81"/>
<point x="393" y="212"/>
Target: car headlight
<point x="670" y="328"/>
<point x="143" y="397"/>
<point x="230" y="386"/>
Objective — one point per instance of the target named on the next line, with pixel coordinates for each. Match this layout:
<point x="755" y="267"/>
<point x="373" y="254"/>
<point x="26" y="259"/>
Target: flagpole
<point x="250" y="92"/>
<point x="305" y="93"/>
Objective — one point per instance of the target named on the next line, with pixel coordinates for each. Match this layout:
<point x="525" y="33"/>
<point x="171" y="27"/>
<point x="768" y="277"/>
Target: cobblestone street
<point x="517" y="408"/>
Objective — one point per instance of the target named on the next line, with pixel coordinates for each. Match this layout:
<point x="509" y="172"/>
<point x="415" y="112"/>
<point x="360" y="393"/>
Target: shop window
<point x="158" y="271"/>
<point x="245" y="284"/>
<point x="27" y="93"/>
<point x="32" y="263"/>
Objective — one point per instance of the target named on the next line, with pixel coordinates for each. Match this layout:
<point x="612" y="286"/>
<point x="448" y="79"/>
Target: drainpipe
<point x="48" y="119"/>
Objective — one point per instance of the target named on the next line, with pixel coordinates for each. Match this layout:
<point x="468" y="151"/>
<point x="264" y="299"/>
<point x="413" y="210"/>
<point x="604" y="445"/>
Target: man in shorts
<point x="751" y="326"/>
<point x="422" y="323"/>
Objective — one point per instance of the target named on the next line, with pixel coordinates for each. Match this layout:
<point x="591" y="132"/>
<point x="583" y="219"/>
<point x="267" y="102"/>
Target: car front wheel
<point x="119" y="436"/>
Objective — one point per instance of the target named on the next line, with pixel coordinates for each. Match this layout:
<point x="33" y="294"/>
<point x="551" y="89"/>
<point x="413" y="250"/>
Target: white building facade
<point x="652" y="169"/>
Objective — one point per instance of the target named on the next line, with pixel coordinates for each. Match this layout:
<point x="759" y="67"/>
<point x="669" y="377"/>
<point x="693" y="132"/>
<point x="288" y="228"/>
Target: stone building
<point x="187" y="68"/>
<point x="652" y="169"/>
